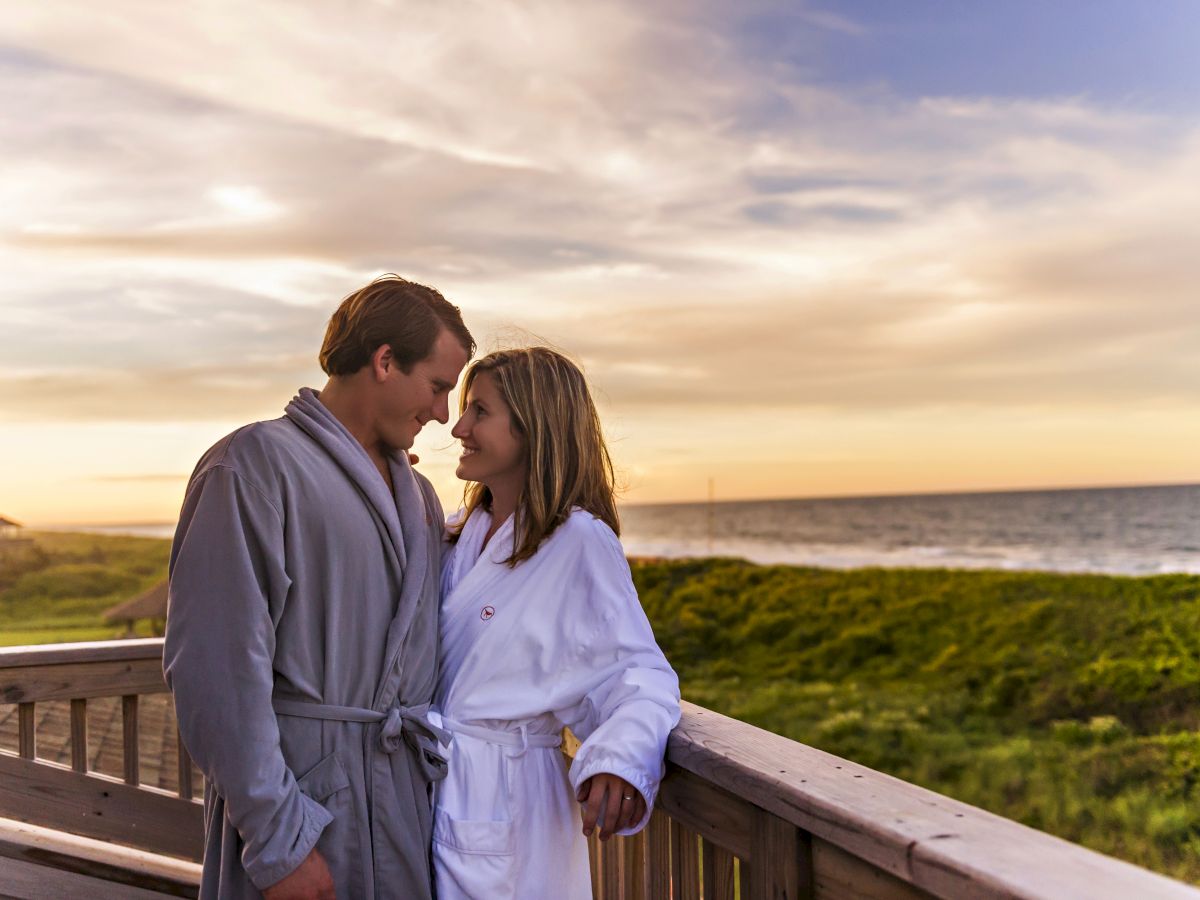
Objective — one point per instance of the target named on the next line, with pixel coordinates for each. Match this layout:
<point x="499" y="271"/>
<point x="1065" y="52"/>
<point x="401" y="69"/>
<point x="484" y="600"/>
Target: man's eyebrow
<point x="442" y="385"/>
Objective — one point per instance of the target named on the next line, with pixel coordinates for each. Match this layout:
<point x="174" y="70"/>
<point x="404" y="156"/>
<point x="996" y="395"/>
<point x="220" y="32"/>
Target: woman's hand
<point x="623" y="806"/>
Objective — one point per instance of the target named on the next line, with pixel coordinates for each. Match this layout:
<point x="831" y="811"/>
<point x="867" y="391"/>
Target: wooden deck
<point x="742" y="812"/>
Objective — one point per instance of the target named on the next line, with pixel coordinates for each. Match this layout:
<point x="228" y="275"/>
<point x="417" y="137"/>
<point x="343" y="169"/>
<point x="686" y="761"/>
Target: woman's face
<point x="493" y="451"/>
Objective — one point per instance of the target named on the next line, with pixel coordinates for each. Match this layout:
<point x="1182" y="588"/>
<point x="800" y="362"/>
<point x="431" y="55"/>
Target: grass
<point x="1067" y="702"/>
<point x="57" y="588"/>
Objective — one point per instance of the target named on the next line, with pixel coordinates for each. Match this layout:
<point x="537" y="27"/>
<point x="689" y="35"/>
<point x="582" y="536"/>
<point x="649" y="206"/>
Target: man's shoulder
<point x="251" y="448"/>
<point x="431" y="498"/>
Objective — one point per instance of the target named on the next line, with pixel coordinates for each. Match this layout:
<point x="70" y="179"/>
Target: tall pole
<point x="711" y="515"/>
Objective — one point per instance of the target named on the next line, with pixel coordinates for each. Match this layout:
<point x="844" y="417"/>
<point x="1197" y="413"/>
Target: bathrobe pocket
<point x="483" y="838"/>
<point x="324" y="779"/>
<point x="341" y="843"/>
<point x="473" y="858"/>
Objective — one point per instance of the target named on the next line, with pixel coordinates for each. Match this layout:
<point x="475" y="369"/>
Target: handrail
<point x="939" y="845"/>
<point x="81" y="651"/>
<point x="738" y="804"/>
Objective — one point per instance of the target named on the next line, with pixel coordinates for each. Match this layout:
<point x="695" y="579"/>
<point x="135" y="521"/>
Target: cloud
<point x="193" y="194"/>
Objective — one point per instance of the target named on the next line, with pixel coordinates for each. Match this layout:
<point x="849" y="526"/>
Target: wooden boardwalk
<point x="157" y="746"/>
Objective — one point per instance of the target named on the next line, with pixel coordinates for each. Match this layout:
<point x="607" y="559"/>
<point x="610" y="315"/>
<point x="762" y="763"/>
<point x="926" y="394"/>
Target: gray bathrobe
<point x="301" y="649"/>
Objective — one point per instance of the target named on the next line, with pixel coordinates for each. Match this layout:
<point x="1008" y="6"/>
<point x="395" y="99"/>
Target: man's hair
<point x="569" y="465"/>
<point x="406" y="316"/>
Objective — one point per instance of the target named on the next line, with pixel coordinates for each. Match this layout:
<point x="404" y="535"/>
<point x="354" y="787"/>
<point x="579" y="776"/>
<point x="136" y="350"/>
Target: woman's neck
<point x="504" y="504"/>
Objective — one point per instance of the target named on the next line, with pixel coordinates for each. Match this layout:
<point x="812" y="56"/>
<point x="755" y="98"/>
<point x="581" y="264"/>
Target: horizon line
<point x="966" y="492"/>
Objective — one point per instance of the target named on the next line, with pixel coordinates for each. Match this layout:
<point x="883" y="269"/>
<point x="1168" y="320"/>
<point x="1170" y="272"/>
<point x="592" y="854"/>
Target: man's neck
<point x="347" y="405"/>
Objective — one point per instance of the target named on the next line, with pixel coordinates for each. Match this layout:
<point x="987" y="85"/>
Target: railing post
<point x="79" y="761"/>
<point x="633" y="853"/>
<point x="129" y="748"/>
<point x="610" y="871"/>
<point x="781" y="860"/>
<point x="718" y="872"/>
<point x="26" y="735"/>
<point x="658" y="856"/>
<point x="596" y="864"/>
<point x="685" y="862"/>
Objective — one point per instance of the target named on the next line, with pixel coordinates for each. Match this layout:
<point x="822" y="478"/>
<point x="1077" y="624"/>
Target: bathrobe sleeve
<point x="227" y="581"/>
<point x="631" y="699"/>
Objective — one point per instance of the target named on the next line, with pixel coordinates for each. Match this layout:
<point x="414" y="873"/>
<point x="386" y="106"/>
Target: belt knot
<point x="410" y="725"/>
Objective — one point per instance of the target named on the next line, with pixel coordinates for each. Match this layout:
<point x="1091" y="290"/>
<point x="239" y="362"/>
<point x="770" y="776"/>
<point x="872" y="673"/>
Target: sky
<point x="799" y="249"/>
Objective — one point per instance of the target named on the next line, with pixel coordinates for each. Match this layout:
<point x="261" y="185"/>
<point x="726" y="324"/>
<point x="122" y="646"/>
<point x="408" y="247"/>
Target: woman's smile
<point x="493" y="451"/>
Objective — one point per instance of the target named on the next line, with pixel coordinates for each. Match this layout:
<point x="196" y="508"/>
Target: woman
<point x="541" y="628"/>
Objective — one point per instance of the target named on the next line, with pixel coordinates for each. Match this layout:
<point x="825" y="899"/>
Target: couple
<point x="361" y="682"/>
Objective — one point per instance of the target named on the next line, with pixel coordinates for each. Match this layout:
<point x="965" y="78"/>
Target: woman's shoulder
<point x="585" y="527"/>
<point x="590" y="541"/>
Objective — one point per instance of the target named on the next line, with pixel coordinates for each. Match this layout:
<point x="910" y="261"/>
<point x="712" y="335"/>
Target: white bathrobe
<point x="560" y="639"/>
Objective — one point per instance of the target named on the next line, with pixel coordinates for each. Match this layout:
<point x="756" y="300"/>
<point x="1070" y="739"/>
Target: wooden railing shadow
<point x="742" y="813"/>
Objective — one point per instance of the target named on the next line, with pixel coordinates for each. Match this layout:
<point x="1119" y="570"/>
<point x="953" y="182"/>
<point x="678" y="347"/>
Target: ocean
<point x="1125" y="531"/>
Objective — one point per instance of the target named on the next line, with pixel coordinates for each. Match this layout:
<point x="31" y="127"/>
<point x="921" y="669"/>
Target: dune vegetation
<point x="57" y="587"/>
<point x="1068" y="702"/>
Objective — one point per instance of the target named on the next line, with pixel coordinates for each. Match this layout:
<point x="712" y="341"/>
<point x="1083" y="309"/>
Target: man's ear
<point x="382" y="362"/>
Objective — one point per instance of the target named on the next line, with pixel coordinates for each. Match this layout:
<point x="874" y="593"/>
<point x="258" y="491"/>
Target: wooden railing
<point x="744" y="812"/>
<point x="120" y="812"/>
<point x="741" y="813"/>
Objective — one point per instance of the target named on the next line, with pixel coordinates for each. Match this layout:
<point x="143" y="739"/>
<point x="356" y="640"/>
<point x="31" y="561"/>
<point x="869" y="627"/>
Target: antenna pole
<point x="711" y="515"/>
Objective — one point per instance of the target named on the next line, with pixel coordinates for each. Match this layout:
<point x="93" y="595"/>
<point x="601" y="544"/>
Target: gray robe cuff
<point x="279" y="857"/>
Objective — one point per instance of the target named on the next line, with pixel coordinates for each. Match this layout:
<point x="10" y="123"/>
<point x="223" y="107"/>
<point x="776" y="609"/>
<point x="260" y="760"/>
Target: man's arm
<point x="227" y="580"/>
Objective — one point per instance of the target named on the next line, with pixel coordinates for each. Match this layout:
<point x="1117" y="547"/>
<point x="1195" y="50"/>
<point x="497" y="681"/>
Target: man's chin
<point x="402" y="444"/>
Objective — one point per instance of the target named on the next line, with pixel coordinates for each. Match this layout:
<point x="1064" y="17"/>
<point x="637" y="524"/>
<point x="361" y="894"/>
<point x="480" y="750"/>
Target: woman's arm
<point x="630" y="700"/>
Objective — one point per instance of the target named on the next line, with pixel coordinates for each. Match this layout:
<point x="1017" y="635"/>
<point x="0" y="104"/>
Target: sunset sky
<point x="847" y="248"/>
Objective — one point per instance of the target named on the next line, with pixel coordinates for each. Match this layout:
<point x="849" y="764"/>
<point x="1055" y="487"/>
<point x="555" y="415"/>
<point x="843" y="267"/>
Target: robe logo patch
<point x="487" y="612"/>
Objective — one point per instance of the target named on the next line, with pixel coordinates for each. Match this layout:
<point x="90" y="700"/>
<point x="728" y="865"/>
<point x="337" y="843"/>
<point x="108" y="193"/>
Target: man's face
<point x="413" y="398"/>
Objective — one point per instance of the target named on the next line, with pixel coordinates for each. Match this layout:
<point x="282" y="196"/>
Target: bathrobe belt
<point x="407" y="725"/>
<point x="520" y="739"/>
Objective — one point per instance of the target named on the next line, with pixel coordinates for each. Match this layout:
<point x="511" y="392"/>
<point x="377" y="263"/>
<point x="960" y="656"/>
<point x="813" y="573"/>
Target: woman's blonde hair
<point x="569" y="465"/>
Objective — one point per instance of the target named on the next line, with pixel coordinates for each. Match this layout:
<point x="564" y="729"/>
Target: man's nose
<point x="441" y="409"/>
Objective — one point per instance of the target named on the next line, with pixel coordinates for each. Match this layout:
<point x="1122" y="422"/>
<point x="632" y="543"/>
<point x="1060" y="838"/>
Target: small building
<point x="9" y="530"/>
<point x="150" y="605"/>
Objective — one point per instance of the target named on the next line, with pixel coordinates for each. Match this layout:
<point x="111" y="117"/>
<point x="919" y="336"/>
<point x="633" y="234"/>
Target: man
<point x="301" y="641"/>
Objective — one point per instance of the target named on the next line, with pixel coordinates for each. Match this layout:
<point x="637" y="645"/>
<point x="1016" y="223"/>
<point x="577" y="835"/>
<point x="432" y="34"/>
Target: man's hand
<point x="622" y="805"/>
<point x="310" y="880"/>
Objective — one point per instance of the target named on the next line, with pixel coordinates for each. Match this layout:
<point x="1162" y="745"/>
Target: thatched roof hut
<point x="150" y="605"/>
